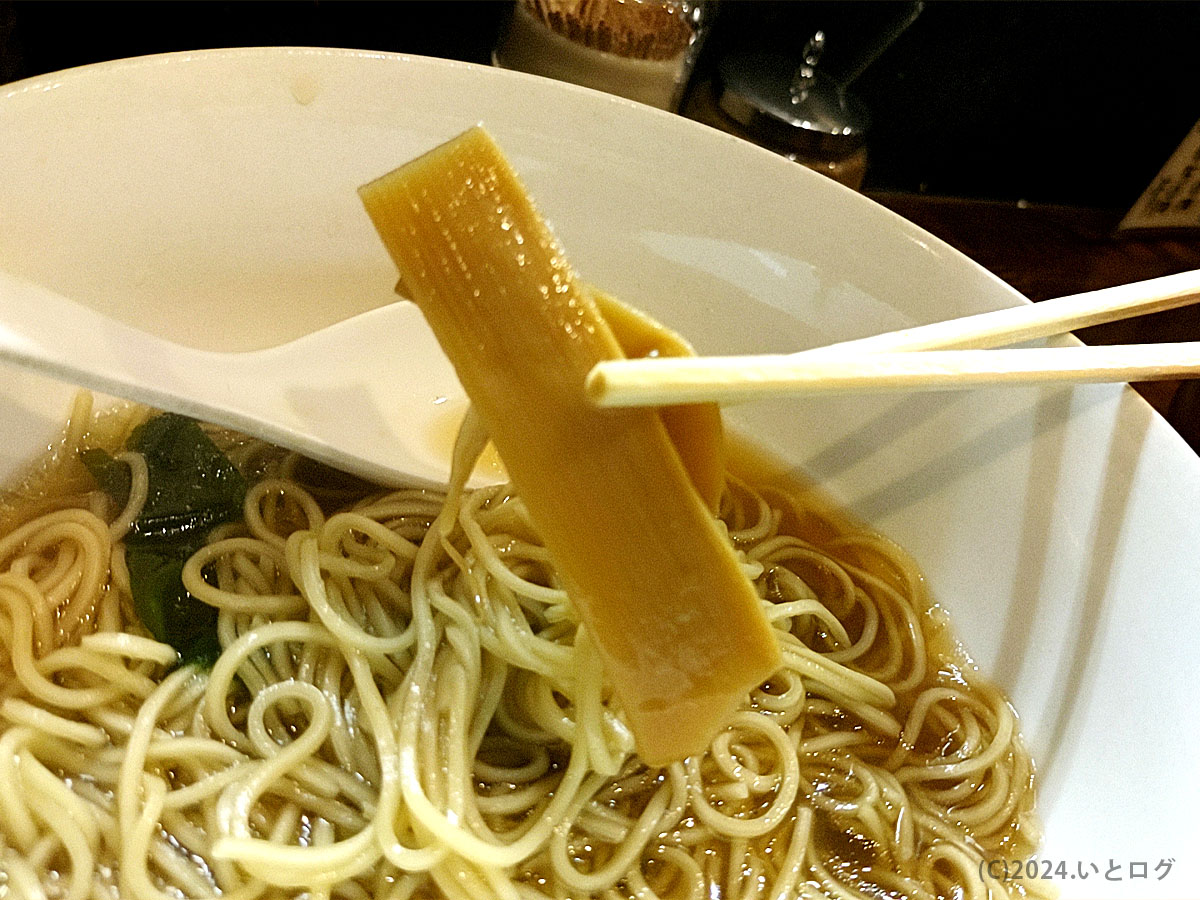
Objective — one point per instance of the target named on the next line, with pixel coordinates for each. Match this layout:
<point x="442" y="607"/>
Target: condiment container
<point x="639" y="49"/>
<point x="792" y="109"/>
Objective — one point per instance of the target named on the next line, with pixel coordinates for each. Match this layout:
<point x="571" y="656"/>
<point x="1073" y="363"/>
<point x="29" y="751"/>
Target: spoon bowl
<point x="372" y="395"/>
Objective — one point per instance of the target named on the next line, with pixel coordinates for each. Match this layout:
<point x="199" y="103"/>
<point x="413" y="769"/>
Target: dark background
<point x="1074" y="103"/>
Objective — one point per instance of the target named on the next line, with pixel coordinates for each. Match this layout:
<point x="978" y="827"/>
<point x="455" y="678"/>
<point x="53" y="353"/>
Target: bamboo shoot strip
<point x="695" y="429"/>
<point x="680" y="628"/>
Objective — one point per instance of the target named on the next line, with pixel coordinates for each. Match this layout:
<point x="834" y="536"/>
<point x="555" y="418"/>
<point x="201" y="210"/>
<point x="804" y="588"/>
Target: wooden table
<point x="1050" y="251"/>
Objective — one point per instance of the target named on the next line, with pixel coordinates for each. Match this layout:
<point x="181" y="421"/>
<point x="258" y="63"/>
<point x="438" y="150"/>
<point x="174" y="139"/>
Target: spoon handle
<point x="48" y="333"/>
<point x="362" y="395"/>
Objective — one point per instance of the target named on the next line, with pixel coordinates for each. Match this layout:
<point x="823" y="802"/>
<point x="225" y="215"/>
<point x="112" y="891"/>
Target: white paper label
<point x="1173" y="198"/>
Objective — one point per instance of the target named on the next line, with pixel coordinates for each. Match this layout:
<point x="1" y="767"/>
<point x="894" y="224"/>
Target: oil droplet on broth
<point x="443" y="430"/>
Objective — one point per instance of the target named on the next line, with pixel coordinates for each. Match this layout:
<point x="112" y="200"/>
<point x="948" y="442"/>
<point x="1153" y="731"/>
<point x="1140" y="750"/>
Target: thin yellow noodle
<point x="605" y="758"/>
<point x="966" y="868"/>
<point x="130" y="781"/>
<point x="303" y="553"/>
<point x="43" y="721"/>
<point x="623" y="856"/>
<point x="67" y="817"/>
<point x="23" y="880"/>
<point x="260" y="492"/>
<point x="95" y="667"/>
<point x="406" y="707"/>
<point x="230" y="662"/>
<point x="816" y="609"/>
<point x="79" y="422"/>
<point x="791" y="866"/>
<point x="785" y="792"/>
<point x="16" y="816"/>
<point x="17" y="595"/>
<point x="139" y="490"/>
<point x="997" y="747"/>
<point x="130" y="646"/>
<point x="838" y="680"/>
<point x="139" y="833"/>
<point x="491" y="560"/>
<point x="336" y="533"/>
<point x="738" y="762"/>
<point x="271" y="604"/>
<point x="210" y="786"/>
<point x="247" y="577"/>
<point x="108" y="610"/>
<point x="404" y="857"/>
<point x="189" y="840"/>
<point x="232" y="812"/>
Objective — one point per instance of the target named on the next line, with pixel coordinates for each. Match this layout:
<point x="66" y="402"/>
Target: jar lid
<point x="795" y="106"/>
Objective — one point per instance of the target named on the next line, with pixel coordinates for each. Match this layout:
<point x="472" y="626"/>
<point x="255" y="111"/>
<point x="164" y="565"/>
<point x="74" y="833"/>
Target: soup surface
<point x="228" y="671"/>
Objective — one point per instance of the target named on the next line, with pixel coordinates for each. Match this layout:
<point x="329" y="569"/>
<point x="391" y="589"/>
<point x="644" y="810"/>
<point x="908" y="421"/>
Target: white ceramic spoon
<point x="372" y="395"/>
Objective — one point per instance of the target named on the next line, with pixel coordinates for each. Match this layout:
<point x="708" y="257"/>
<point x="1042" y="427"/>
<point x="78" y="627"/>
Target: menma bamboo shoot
<point x="694" y="428"/>
<point x="681" y="631"/>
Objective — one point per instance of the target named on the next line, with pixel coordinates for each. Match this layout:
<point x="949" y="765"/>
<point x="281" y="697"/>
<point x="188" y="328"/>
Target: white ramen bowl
<point x="210" y="198"/>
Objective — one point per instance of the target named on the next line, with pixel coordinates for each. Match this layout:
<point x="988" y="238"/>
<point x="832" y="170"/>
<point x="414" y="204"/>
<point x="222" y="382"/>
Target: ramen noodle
<point x="402" y="703"/>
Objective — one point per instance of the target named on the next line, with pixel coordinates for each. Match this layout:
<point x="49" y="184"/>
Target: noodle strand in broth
<point x="405" y="706"/>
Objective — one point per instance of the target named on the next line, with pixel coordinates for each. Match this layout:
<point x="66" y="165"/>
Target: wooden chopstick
<point x="884" y="362"/>
<point x="1048" y="317"/>
<point x="665" y="381"/>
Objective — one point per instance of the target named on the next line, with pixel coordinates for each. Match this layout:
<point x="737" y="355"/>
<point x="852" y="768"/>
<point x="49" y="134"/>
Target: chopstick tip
<point x="596" y="386"/>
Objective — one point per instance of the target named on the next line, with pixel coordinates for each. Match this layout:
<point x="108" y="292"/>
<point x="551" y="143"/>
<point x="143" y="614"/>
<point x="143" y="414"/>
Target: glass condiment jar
<point x="639" y="49"/>
<point x="791" y="109"/>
